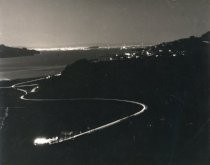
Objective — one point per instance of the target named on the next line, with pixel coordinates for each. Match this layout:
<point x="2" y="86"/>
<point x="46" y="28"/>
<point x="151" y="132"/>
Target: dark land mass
<point x="171" y="78"/>
<point x="7" y="52"/>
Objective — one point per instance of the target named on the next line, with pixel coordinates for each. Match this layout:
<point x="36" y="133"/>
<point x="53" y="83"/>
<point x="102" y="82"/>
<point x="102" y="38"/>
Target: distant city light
<point x="62" y="49"/>
<point x="48" y="77"/>
<point x="148" y="53"/>
<point x="57" y="75"/>
<point x="127" y="54"/>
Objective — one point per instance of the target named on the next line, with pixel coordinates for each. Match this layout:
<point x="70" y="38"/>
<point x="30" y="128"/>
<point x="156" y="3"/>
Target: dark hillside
<point x="173" y="84"/>
<point x="7" y="52"/>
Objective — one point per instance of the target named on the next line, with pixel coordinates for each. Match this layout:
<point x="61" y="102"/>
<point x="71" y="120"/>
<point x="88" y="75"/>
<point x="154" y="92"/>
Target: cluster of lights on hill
<point x="154" y="51"/>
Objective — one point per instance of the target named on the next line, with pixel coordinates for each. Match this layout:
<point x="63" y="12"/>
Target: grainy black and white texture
<point x="107" y="82"/>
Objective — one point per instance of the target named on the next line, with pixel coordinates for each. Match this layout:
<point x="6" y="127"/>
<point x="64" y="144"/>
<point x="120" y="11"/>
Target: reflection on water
<point x="29" y="72"/>
<point x="48" y="62"/>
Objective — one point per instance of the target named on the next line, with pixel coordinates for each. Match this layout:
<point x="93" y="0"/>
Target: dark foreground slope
<point x="173" y="131"/>
<point x="174" y="86"/>
<point x="182" y="78"/>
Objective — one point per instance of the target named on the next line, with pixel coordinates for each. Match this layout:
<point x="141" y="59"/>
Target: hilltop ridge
<point x="7" y="52"/>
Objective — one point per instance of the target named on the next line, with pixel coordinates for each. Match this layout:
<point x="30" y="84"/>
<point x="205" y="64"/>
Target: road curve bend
<point x="54" y="140"/>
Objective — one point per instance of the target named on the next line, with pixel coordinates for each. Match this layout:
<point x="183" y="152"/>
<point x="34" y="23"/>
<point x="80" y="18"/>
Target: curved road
<point x="42" y="140"/>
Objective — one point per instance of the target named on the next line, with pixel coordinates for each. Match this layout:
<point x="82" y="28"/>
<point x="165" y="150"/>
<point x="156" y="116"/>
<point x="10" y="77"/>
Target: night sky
<point x="59" y="23"/>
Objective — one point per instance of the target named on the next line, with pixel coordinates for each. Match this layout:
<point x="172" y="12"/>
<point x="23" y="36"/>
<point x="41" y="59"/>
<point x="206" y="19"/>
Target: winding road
<point x="42" y="140"/>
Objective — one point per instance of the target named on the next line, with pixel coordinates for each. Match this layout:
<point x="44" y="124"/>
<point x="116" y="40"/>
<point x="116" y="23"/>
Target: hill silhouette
<point x="170" y="78"/>
<point x="206" y="36"/>
<point x="179" y="64"/>
<point x="7" y="52"/>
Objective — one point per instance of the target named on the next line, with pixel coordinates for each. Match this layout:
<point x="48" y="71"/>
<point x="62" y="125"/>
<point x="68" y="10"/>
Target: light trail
<point x="54" y="140"/>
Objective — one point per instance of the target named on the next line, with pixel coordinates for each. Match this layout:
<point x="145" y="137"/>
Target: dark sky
<point x="59" y="23"/>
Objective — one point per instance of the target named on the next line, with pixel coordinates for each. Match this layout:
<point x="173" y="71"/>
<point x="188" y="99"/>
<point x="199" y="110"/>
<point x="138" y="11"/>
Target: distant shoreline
<point x="10" y="52"/>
